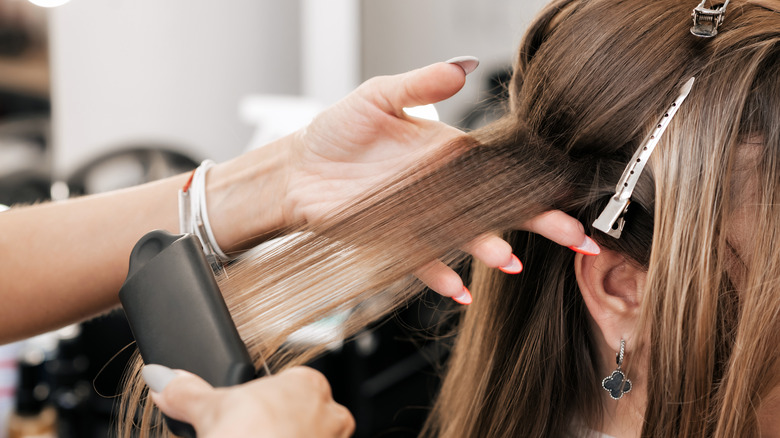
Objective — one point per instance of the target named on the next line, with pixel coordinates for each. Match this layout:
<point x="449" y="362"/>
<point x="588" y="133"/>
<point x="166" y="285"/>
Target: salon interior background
<point x="101" y="94"/>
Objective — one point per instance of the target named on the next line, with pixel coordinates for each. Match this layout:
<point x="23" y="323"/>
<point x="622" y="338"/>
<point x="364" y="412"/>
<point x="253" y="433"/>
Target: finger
<point x="564" y="230"/>
<point x="344" y="422"/>
<point x="494" y="252"/>
<point x="443" y="280"/>
<point x="179" y="394"/>
<point x="430" y="84"/>
<point x="306" y="378"/>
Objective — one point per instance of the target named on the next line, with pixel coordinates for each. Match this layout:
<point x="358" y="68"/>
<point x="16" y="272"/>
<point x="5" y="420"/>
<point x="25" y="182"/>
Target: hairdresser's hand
<point x="367" y="138"/>
<point x="294" y="403"/>
<point x="497" y="253"/>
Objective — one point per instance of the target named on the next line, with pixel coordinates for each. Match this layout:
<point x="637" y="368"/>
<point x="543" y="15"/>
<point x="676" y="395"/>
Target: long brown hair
<point x="591" y="78"/>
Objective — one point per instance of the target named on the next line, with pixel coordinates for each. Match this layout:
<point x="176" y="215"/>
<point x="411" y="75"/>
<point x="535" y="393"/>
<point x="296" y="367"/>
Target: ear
<point x="611" y="286"/>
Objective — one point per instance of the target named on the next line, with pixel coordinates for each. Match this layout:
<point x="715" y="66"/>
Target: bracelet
<point x="194" y="218"/>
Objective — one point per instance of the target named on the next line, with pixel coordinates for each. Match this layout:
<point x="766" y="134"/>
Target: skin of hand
<point x="296" y="403"/>
<point x="65" y="261"/>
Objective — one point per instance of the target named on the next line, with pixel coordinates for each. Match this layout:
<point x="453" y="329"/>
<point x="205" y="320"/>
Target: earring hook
<point x="619" y="356"/>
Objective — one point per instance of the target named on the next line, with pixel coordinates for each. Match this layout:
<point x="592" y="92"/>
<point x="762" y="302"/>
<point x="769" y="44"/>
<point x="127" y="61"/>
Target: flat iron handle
<point x="178" y="316"/>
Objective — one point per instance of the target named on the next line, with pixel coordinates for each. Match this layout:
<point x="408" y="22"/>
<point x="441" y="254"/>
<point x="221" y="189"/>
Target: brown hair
<point x="591" y="78"/>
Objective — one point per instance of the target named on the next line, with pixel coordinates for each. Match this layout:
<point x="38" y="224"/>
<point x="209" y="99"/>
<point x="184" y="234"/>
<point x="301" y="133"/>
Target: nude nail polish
<point x="157" y="377"/>
<point x="467" y="63"/>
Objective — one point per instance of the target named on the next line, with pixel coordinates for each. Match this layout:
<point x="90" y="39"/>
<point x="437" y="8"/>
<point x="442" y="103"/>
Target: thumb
<point x="179" y="394"/>
<point x="430" y="84"/>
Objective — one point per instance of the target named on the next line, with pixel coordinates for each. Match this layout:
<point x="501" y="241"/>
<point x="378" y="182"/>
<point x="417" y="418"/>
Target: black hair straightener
<point x="178" y="316"/>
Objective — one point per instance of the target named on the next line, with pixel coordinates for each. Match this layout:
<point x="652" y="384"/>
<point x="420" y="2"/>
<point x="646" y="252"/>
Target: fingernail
<point x="157" y="377"/>
<point x="467" y="63"/>
<point x="588" y="247"/>
<point x="464" y="298"/>
<point x="514" y="267"/>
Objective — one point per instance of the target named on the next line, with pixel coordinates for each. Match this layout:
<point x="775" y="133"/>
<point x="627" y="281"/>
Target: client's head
<point x="691" y="285"/>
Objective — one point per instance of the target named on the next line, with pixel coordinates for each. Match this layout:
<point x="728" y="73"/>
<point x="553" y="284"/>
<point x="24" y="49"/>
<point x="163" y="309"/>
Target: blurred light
<point x="276" y="116"/>
<point x="427" y="112"/>
<point x="48" y="3"/>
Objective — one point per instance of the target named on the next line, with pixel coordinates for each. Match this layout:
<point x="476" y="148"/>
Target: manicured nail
<point x="158" y="376"/>
<point x="514" y="267"/>
<point x="464" y="298"/>
<point x="467" y="63"/>
<point x="588" y="247"/>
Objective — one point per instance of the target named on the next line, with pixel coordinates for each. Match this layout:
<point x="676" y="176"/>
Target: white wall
<point x="165" y="72"/>
<point x="173" y="72"/>
<point x="330" y="47"/>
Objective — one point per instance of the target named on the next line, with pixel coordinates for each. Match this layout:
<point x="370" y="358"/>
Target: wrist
<point x="246" y="196"/>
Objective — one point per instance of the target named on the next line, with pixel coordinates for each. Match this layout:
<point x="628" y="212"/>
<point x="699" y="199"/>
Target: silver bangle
<point x="194" y="218"/>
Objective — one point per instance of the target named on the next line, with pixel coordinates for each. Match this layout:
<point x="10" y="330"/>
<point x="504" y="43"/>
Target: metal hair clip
<point x="611" y="219"/>
<point x="706" y="20"/>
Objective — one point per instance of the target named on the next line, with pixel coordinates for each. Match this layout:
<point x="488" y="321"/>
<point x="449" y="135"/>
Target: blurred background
<point x="102" y="94"/>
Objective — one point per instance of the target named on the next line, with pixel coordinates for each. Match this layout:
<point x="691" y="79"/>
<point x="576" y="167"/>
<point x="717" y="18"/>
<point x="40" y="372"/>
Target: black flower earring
<point x="616" y="383"/>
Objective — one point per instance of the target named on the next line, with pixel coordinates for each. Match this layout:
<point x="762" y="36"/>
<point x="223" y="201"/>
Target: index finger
<point x="564" y="230"/>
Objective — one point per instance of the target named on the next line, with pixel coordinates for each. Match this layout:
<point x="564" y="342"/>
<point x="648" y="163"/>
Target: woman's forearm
<point x="65" y="261"/>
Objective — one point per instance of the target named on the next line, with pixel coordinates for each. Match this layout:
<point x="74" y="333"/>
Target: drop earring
<point x="616" y="384"/>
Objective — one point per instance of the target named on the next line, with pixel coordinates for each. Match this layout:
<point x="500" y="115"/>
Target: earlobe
<point x="611" y="288"/>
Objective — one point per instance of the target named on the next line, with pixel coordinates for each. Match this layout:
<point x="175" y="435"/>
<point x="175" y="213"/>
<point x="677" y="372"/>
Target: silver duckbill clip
<point x="611" y="219"/>
<point x="706" y="20"/>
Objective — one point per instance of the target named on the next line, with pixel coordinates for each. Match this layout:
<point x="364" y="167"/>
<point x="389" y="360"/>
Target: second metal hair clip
<point x="706" y="20"/>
